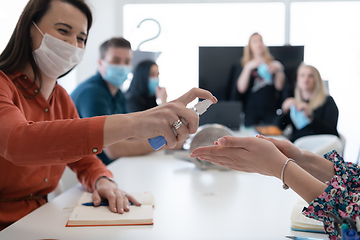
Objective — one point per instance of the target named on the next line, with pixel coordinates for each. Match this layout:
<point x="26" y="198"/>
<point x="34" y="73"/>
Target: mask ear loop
<point x="42" y="32"/>
<point x="38" y="28"/>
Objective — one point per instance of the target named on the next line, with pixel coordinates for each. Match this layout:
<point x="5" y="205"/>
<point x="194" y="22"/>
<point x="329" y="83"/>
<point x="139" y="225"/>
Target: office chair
<point x="322" y="143"/>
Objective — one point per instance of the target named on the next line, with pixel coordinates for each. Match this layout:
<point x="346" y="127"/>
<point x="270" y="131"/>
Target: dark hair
<point x="118" y="42"/>
<point x="19" y="49"/>
<point x="140" y="81"/>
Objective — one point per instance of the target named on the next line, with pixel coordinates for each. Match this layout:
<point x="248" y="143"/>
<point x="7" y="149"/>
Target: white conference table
<point x="189" y="204"/>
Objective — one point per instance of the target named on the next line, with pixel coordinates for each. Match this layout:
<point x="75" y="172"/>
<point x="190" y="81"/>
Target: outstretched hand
<point x="247" y="154"/>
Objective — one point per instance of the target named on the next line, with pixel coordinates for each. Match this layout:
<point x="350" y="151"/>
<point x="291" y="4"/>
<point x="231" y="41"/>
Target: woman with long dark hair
<point x="41" y="132"/>
<point x="144" y="91"/>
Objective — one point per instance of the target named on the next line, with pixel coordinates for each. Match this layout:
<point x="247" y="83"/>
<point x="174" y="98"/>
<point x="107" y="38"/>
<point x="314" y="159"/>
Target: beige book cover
<point x="82" y="216"/>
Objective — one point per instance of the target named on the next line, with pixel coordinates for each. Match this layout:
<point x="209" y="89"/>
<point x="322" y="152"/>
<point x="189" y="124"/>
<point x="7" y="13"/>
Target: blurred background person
<point x="144" y="91"/>
<point x="260" y="83"/>
<point x="312" y="110"/>
<point x="101" y="95"/>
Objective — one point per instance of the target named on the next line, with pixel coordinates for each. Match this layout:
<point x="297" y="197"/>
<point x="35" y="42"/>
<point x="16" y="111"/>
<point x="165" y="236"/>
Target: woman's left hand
<point x="303" y="106"/>
<point x="247" y="154"/>
<point x="275" y="66"/>
<point x="117" y="198"/>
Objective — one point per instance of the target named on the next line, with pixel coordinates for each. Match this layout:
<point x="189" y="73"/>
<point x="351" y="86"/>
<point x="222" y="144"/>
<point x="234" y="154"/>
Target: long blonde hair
<point x="248" y="55"/>
<point x="319" y="95"/>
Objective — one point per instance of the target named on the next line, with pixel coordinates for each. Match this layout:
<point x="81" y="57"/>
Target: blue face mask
<point x="152" y="85"/>
<point x="117" y="74"/>
<point x="263" y="71"/>
<point x="299" y="118"/>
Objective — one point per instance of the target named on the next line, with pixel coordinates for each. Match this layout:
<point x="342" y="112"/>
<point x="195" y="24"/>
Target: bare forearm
<point x="117" y="127"/>
<point x="243" y="80"/>
<point x="279" y="80"/>
<point x="305" y="185"/>
<point x="317" y="166"/>
<point x="129" y="147"/>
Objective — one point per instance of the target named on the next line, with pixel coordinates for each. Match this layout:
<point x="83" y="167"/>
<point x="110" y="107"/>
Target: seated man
<point x="101" y="95"/>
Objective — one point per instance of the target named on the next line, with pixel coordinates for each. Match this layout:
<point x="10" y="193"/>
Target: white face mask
<point x="55" y="57"/>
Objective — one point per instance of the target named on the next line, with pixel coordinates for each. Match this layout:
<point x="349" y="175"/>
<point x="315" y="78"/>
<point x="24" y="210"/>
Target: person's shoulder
<point x="62" y="94"/>
<point x="330" y="99"/>
<point x="91" y="86"/>
<point x="7" y="78"/>
<point x="6" y="81"/>
<point x="92" y="82"/>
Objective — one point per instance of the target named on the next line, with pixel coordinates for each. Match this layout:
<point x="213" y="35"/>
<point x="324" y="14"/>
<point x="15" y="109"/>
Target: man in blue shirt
<point x="101" y="95"/>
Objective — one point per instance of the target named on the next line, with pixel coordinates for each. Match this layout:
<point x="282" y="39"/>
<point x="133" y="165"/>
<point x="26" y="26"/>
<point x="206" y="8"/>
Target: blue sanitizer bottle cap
<point x="159" y="141"/>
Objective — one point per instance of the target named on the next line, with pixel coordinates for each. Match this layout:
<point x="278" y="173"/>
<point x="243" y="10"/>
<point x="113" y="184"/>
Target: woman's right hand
<point x="157" y="121"/>
<point x="254" y="63"/>
<point x="287" y="104"/>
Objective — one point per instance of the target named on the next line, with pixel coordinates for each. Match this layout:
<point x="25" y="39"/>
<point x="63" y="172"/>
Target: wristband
<point x="285" y="187"/>
<point x="110" y="179"/>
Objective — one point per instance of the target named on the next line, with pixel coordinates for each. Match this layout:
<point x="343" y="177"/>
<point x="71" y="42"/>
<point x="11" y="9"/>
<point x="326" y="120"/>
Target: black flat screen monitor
<point x="218" y="74"/>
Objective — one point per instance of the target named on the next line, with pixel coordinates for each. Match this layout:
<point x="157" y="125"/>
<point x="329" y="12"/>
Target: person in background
<point x="41" y="132"/>
<point x="260" y="83"/>
<point x="329" y="184"/>
<point x="101" y="95"/>
<point x="312" y="110"/>
<point x="144" y="91"/>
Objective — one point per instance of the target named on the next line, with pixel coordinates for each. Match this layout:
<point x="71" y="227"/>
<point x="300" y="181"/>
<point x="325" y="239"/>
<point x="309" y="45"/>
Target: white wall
<point x="104" y="27"/>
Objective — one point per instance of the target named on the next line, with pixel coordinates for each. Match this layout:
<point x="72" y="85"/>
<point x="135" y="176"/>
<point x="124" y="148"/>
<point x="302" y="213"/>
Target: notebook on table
<point x="83" y="216"/>
<point x="299" y="222"/>
<point x="227" y="113"/>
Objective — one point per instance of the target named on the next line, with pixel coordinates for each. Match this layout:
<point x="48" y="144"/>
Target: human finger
<point x="181" y="131"/>
<point x="189" y="119"/>
<point x="110" y="196"/>
<point x="280" y="144"/>
<point x="286" y="147"/>
<point x="239" y="142"/>
<point x="133" y="200"/>
<point x="188" y="115"/>
<point x="223" y="161"/>
<point x="196" y="93"/>
<point x="212" y="152"/>
<point x="122" y="202"/>
<point x="119" y="201"/>
<point x="166" y="120"/>
<point x="126" y="204"/>
<point x="96" y="198"/>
